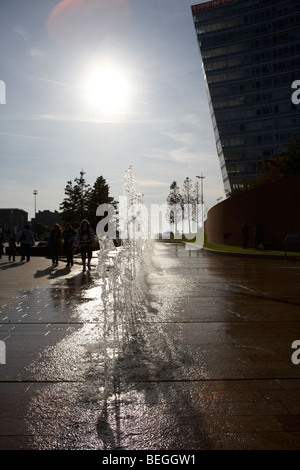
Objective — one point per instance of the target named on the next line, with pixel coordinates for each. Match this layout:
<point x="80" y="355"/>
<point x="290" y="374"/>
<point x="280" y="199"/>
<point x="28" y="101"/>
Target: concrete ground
<point x="194" y="353"/>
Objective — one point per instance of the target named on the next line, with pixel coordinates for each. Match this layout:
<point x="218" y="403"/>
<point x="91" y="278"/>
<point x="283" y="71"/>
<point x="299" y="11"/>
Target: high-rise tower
<point x="250" y="52"/>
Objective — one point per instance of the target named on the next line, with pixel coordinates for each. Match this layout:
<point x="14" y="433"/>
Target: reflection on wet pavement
<point x="189" y="351"/>
<point x="120" y="393"/>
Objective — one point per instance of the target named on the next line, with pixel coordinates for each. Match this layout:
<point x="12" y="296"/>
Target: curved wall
<point x="276" y="207"/>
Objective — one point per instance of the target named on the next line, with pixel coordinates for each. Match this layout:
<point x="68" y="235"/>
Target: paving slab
<point x="194" y="353"/>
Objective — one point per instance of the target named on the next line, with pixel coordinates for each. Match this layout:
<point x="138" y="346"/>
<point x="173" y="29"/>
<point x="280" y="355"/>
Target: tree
<point x="188" y="200"/>
<point x="99" y="194"/>
<point x="276" y="168"/>
<point x="184" y="205"/>
<point x="196" y="195"/>
<point x="175" y="204"/>
<point x="82" y="201"/>
<point x="285" y="164"/>
<point x="74" y="207"/>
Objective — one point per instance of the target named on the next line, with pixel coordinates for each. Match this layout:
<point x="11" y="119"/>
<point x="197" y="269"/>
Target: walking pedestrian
<point x="69" y="237"/>
<point x="245" y="234"/>
<point x="1" y="243"/>
<point x="55" y="243"/>
<point x="26" y="241"/>
<point x="258" y="236"/>
<point x="12" y="248"/>
<point x="84" y="240"/>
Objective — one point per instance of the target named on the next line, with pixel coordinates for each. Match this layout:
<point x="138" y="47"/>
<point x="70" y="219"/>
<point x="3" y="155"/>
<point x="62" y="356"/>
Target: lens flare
<point x="74" y="22"/>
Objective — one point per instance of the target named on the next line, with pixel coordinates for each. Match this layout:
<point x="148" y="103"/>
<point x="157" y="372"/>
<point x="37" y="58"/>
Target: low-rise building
<point x="12" y="221"/>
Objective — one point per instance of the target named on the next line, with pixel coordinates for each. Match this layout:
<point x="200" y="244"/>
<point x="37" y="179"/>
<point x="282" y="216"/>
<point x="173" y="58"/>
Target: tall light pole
<point x="82" y="173"/>
<point x="201" y="178"/>
<point x="35" y="194"/>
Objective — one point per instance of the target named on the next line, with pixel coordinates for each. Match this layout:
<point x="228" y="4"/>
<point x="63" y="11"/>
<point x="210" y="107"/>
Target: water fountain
<point x="102" y="382"/>
<point x="119" y="268"/>
<point x="122" y="272"/>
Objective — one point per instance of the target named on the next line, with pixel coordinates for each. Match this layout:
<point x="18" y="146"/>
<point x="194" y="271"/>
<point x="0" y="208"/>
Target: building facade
<point x="250" y="53"/>
<point x="12" y="221"/>
<point x="48" y="218"/>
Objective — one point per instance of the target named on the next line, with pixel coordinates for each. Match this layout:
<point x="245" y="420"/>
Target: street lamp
<point x="82" y="173"/>
<point x="201" y="178"/>
<point x="35" y="194"/>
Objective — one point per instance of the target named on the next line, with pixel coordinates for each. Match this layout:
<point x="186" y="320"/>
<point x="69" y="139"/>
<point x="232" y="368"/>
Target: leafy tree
<point x="185" y="204"/>
<point x="82" y="201"/>
<point x="278" y="167"/>
<point x="74" y="207"/>
<point x="99" y="194"/>
<point x="188" y="198"/>
<point x="42" y="230"/>
<point x="175" y="203"/>
<point x="285" y="164"/>
<point x="197" y="204"/>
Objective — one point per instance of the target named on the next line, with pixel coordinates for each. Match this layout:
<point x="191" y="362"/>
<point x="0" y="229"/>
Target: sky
<point x="99" y="85"/>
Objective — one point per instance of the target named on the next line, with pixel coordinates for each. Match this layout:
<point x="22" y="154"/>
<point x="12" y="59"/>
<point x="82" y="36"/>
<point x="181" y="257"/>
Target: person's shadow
<point x="50" y="273"/>
<point x="11" y="264"/>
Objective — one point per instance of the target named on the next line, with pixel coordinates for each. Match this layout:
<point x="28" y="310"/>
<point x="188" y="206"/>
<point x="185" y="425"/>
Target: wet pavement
<point x="193" y="352"/>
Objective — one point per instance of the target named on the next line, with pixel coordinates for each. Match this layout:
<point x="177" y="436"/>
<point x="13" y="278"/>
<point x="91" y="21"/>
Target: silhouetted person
<point x="27" y="241"/>
<point x="55" y="244"/>
<point x="245" y="234"/>
<point x="84" y="240"/>
<point x="69" y="236"/>
<point x="1" y="243"/>
<point x="258" y="236"/>
<point x="12" y="249"/>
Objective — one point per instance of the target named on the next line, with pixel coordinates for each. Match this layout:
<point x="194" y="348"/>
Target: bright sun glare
<point x="107" y="88"/>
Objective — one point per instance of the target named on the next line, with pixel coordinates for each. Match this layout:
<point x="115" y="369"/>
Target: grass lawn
<point x="229" y="248"/>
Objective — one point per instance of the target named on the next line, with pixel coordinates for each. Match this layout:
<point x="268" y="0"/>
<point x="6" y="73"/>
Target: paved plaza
<point x="195" y="353"/>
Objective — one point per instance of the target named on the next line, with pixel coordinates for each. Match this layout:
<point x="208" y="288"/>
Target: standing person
<point x="69" y="236"/>
<point x="27" y="241"/>
<point x="245" y="234"/>
<point x="1" y="243"/>
<point x="258" y="236"/>
<point x="84" y="240"/>
<point x="55" y="244"/>
<point x="12" y="249"/>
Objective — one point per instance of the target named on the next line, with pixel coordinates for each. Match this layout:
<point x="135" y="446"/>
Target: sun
<point x="107" y="88"/>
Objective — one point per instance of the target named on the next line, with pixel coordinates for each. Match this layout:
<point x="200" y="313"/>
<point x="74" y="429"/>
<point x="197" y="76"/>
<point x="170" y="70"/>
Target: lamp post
<point x="82" y="173"/>
<point x="35" y="194"/>
<point x="201" y="178"/>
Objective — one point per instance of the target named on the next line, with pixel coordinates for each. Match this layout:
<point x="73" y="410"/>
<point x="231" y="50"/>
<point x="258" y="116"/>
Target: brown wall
<point x="275" y="206"/>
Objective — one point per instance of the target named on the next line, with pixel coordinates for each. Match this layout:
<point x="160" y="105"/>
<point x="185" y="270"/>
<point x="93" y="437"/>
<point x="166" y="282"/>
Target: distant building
<point x="12" y="220"/>
<point x="48" y="218"/>
<point x="250" y="53"/>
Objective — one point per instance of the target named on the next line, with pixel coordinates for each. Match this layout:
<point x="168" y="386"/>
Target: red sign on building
<point x="212" y="4"/>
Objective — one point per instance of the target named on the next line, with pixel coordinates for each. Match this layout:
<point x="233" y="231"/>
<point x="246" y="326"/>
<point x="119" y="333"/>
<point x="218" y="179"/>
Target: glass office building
<point x="250" y="52"/>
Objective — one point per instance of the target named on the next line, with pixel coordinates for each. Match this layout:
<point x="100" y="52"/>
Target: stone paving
<point x="202" y="359"/>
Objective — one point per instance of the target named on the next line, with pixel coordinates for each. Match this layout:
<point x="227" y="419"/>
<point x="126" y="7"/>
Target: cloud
<point x="187" y="138"/>
<point x="24" y="136"/>
<point x="98" y="118"/>
<point x="21" y="32"/>
<point x="32" y="50"/>
<point x="184" y="155"/>
<point x="150" y="183"/>
<point x="35" y="52"/>
<point x="180" y="155"/>
<point x="55" y="82"/>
